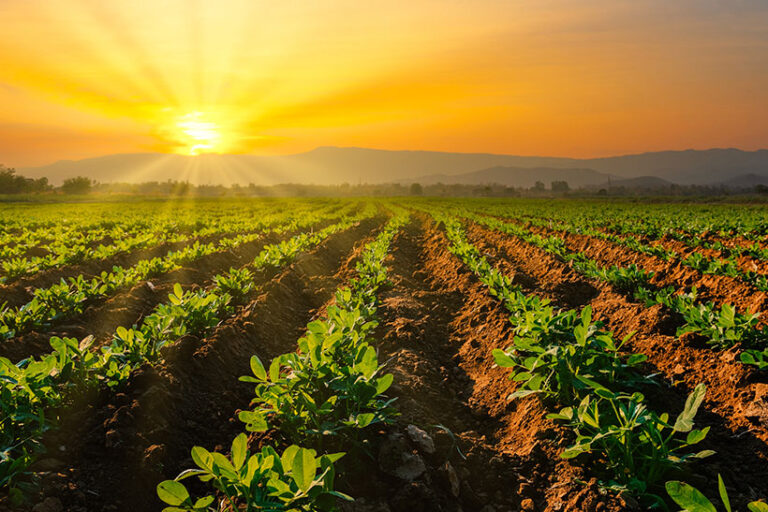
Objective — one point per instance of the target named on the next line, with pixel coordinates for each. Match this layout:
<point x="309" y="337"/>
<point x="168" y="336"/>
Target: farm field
<point x="374" y="355"/>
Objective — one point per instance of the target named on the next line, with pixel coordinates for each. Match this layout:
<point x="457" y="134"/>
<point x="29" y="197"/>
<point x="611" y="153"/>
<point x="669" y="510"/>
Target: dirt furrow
<point x="736" y="404"/>
<point x="438" y="325"/>
<point x="143" y="435"/>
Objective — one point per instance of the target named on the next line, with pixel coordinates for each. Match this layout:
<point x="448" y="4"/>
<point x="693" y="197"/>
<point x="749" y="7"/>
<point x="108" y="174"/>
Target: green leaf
<point x="689" y="498"/>
<point x="303" y="468"/>
<point x="203" y="503"/>
<point x="239" y="450"/>
<point x="696" y="436"/>
<point x="172" y="492"/>
<point x="383" y="383"/>
<point x="258" y="368"/>
<point x="255" y="421"/>
<point x="502" y="359"/>
<point x="684" y="422"/>
<point x="757" y="506"/>
<point x="288" y="455"/>
<point x="723" y="493"/>
<point x="202" y="458"/>
<point x="364" y="419"/>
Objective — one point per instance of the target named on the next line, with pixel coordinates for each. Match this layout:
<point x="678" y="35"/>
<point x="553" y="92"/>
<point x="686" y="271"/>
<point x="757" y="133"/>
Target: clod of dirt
<point x="452" y="477"/>
<point x="422" y="440"/>
<point x="49" y="505"/>
<point x="397" y="459"/>
<point x="757" y="410"/>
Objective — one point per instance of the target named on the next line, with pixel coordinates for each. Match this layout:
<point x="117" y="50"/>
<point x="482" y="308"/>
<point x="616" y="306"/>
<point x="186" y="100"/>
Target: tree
<point x="77" y="185"/>
<point x="560" y="186"/>
<point x="416" y="189"/>
<point x="10" y="183"/>
<point x="539" y="186"/>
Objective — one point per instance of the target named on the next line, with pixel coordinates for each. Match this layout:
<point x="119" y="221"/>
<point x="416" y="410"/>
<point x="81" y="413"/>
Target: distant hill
<point x="332" y="165"/>
<point x="518" y="177"/>
<point x="747" y="180"/>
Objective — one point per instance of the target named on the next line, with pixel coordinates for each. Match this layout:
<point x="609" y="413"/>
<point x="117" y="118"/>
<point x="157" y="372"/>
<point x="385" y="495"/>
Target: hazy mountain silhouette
<point x="332" y="165"/>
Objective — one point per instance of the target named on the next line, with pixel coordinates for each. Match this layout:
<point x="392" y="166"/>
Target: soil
<point x="736" y="404"/>
<point x="437" y="327"/>
<point x="458" y="444"/>
<point x="129" y="307"/>
<point x="118" y="447"/>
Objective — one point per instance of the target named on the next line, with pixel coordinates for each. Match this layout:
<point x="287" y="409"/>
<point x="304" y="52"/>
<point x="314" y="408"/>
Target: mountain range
<point x="335" y="165"/>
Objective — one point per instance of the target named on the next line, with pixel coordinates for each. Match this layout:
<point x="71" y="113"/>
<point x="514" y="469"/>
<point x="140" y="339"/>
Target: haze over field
<point x="330" y="166"/>
<point x="88" y="78"/>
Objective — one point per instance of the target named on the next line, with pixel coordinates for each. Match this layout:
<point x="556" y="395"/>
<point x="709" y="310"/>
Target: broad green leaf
<point x="288" y="455"/>
<point x="364" y="419"/>
<point x="502" y="359"/>
<point x="258" y="368"/>
<point x="239" y="450"/>
<point x="202" y="458"/>
<point x="696" y="436"/>
<point x="383" y="383"/>
<point x="757" y="506"/>
<point x="172" y="492"/>
<point x="304" y="468"/>
<point x="688" y="497"/>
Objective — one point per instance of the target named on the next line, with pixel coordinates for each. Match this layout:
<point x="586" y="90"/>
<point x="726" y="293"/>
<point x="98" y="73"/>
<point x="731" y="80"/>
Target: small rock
<point x="396" y="459"/>
<point x="421" y="438"/>
<point x="453" y="478"/>
<point x="49" y="505"/>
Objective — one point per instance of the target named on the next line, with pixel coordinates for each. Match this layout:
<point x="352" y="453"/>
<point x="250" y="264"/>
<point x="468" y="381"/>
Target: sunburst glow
<point x="560" y="78"/>
<point x="198" y="135"/>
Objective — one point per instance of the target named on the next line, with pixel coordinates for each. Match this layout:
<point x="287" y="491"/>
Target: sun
<point x="198" y="134"/>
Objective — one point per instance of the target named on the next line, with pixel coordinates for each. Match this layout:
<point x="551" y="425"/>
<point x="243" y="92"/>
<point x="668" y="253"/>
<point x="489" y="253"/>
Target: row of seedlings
<point x="722" y="327"/>
<point x="319" y="398"/>
<point x="70" y="297"/>
<point x="570" y="362"/>
<point x="34" y="390"/>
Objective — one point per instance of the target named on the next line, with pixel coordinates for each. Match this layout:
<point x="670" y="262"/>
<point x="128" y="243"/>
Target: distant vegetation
<point x="13" y="184"/>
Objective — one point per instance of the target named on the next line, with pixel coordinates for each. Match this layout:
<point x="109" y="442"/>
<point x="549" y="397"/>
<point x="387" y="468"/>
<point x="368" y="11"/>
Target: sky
<point x="83" y="78"/>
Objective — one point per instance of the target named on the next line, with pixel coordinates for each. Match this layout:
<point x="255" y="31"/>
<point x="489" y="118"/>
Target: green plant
<point x="636" y="446"/>
<point x="296" y="480"/>
<point x="558" y="353"/>
<point x="692" y="500"/>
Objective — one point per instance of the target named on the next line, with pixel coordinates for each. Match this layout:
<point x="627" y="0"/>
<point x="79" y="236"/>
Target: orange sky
<point x="81" y="78"/>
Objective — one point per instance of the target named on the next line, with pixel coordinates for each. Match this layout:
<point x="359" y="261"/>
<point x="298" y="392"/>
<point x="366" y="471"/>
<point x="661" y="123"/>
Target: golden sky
<point x="81" y="78"/>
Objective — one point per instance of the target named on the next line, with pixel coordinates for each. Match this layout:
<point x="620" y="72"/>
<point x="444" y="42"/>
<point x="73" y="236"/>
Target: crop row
<point x="318" y="397"/>
<point x="721" y="327"/>
<point x="70" y="297"/>
<point x="570" y="361"/>
<point x="728" y="266"/>
<point x="76" y="240"/>
<point x="33" y="388"/>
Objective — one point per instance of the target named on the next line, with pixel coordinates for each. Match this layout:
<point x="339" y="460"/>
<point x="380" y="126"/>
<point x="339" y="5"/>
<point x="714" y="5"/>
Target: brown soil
<point x="736" y="406"/>
<point x="437" y="327"/>
<point x="119" y="448"/>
